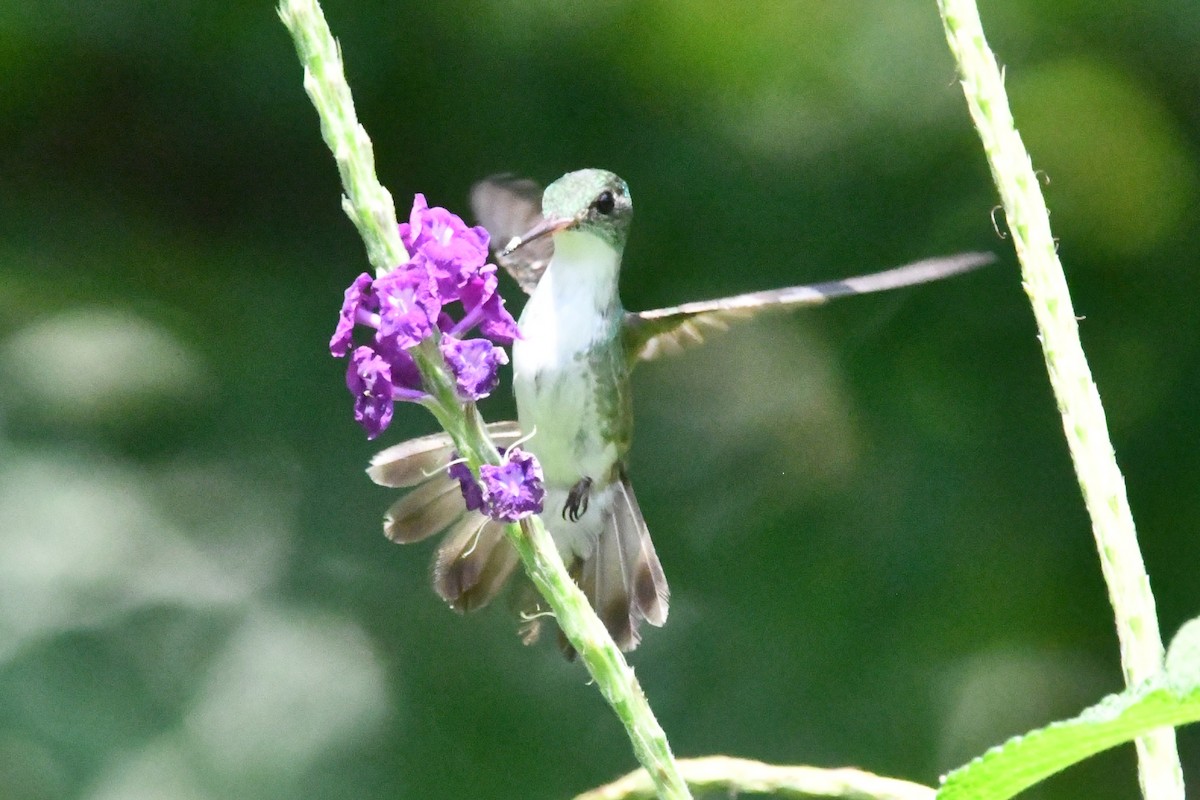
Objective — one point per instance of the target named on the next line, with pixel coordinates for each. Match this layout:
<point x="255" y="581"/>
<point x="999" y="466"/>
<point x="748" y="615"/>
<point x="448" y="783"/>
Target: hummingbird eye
<point x="604" y="203"/>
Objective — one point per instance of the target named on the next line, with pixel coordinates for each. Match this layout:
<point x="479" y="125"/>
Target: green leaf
<point x="1171" y="698"/>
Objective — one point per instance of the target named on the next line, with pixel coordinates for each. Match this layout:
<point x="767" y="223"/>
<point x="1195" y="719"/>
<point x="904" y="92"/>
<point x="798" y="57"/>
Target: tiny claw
<point x="577" y="500"/>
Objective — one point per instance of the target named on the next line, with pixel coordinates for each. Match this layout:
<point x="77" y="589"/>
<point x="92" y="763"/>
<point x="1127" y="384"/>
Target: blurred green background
<point x="877" y="550"/>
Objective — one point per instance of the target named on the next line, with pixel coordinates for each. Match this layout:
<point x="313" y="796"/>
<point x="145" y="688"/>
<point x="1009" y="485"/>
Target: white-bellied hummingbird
<point x="571" y="368"/>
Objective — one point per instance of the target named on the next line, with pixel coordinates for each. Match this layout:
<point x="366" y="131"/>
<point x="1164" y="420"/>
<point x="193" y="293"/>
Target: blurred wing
<point x="650" y="334"/>
<point x="508" y="207"/>
<point x="417" y="460"/>
<point x="435" y="502"/>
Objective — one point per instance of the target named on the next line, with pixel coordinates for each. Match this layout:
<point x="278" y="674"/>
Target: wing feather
<point x="507" y="207"/>
<point x="666" y="331"/>
<point x="426" y="510"/>
<point x="473" y="563"/>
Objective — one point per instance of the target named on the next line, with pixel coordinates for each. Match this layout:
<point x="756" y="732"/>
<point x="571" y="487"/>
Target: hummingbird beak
<point x="547" y="227"/>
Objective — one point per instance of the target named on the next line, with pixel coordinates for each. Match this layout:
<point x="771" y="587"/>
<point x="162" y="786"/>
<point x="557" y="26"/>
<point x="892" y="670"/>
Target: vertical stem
<point x="1078" y="400"/>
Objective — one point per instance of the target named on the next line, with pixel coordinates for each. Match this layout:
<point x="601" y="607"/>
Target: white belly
<point x="573" y="310"/>
<point x="556" y="391"/>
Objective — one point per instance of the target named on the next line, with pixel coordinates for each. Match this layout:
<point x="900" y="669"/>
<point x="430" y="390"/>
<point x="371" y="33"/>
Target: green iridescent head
<point x="590" y="200"/>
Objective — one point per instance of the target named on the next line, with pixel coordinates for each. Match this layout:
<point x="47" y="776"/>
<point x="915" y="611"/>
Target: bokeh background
<point x="877" y="550"/>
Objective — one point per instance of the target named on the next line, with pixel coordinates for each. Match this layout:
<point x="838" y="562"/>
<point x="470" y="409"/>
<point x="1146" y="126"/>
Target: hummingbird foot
<point x="577" y="500"/>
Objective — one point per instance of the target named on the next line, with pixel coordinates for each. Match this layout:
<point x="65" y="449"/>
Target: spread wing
<point x="508" y="207"/>
<point x="650" y="334"/>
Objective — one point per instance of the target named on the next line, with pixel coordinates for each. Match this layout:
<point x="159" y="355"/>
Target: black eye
<point x="604" y="203"/>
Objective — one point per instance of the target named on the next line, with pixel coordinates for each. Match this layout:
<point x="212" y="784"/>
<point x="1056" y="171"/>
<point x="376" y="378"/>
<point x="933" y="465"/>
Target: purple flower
<point x="369" y="378"/>
<point x="484" y="307"/>
<point x="447" y="264"/>
<point x="454" y="250"/>
<point x="497" y="324"/>
<point x="357" y="295"/>
<point x="471" y="491"/>
<point x="513" y="489"/>
<point x="408" y="304"/>
<point x="406" y="377"/>
<point x="475" y="364"/>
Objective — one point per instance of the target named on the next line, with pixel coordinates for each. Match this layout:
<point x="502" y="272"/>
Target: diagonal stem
<point x="371" y="208"/>
<point x="600" y="655"/>
<point x="365" y="201"/>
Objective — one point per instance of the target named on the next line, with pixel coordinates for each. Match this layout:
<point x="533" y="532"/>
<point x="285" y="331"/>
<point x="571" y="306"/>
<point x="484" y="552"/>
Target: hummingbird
<point x="571" y="377"/>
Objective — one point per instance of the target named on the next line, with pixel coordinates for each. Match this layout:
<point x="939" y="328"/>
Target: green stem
<point x="722" y="776"/>
<point x="366" y="202"/>
<point x="1078" y="400"/>
<point x="370" y="206"/>
<point x="600" y="655"/>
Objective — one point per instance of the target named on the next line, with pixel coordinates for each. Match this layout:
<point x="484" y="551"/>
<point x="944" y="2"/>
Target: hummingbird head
<point x="588" y="200"/>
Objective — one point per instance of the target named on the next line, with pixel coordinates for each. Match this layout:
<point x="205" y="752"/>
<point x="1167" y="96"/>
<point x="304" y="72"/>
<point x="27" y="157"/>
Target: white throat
<point x="576" y="298"/>
<point x="583" y="273"/>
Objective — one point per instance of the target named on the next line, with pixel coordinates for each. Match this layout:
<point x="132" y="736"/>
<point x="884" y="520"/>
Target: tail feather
<point x="623" y="577"/>
<point x="643" y="571"/>
<point x="605" y="580"/>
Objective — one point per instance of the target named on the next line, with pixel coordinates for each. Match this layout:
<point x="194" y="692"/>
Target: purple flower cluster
<point x="447" y="264"/>
<point x="509" y="491"/>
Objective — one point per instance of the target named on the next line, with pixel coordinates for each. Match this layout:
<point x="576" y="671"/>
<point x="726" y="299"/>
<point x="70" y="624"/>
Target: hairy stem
<point x="723" y="776"/>
<point x="600" y="655"/>
<point x="365" y="201"/>
<point x="1078" y="400"/>
<point x="370" y="207"/>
